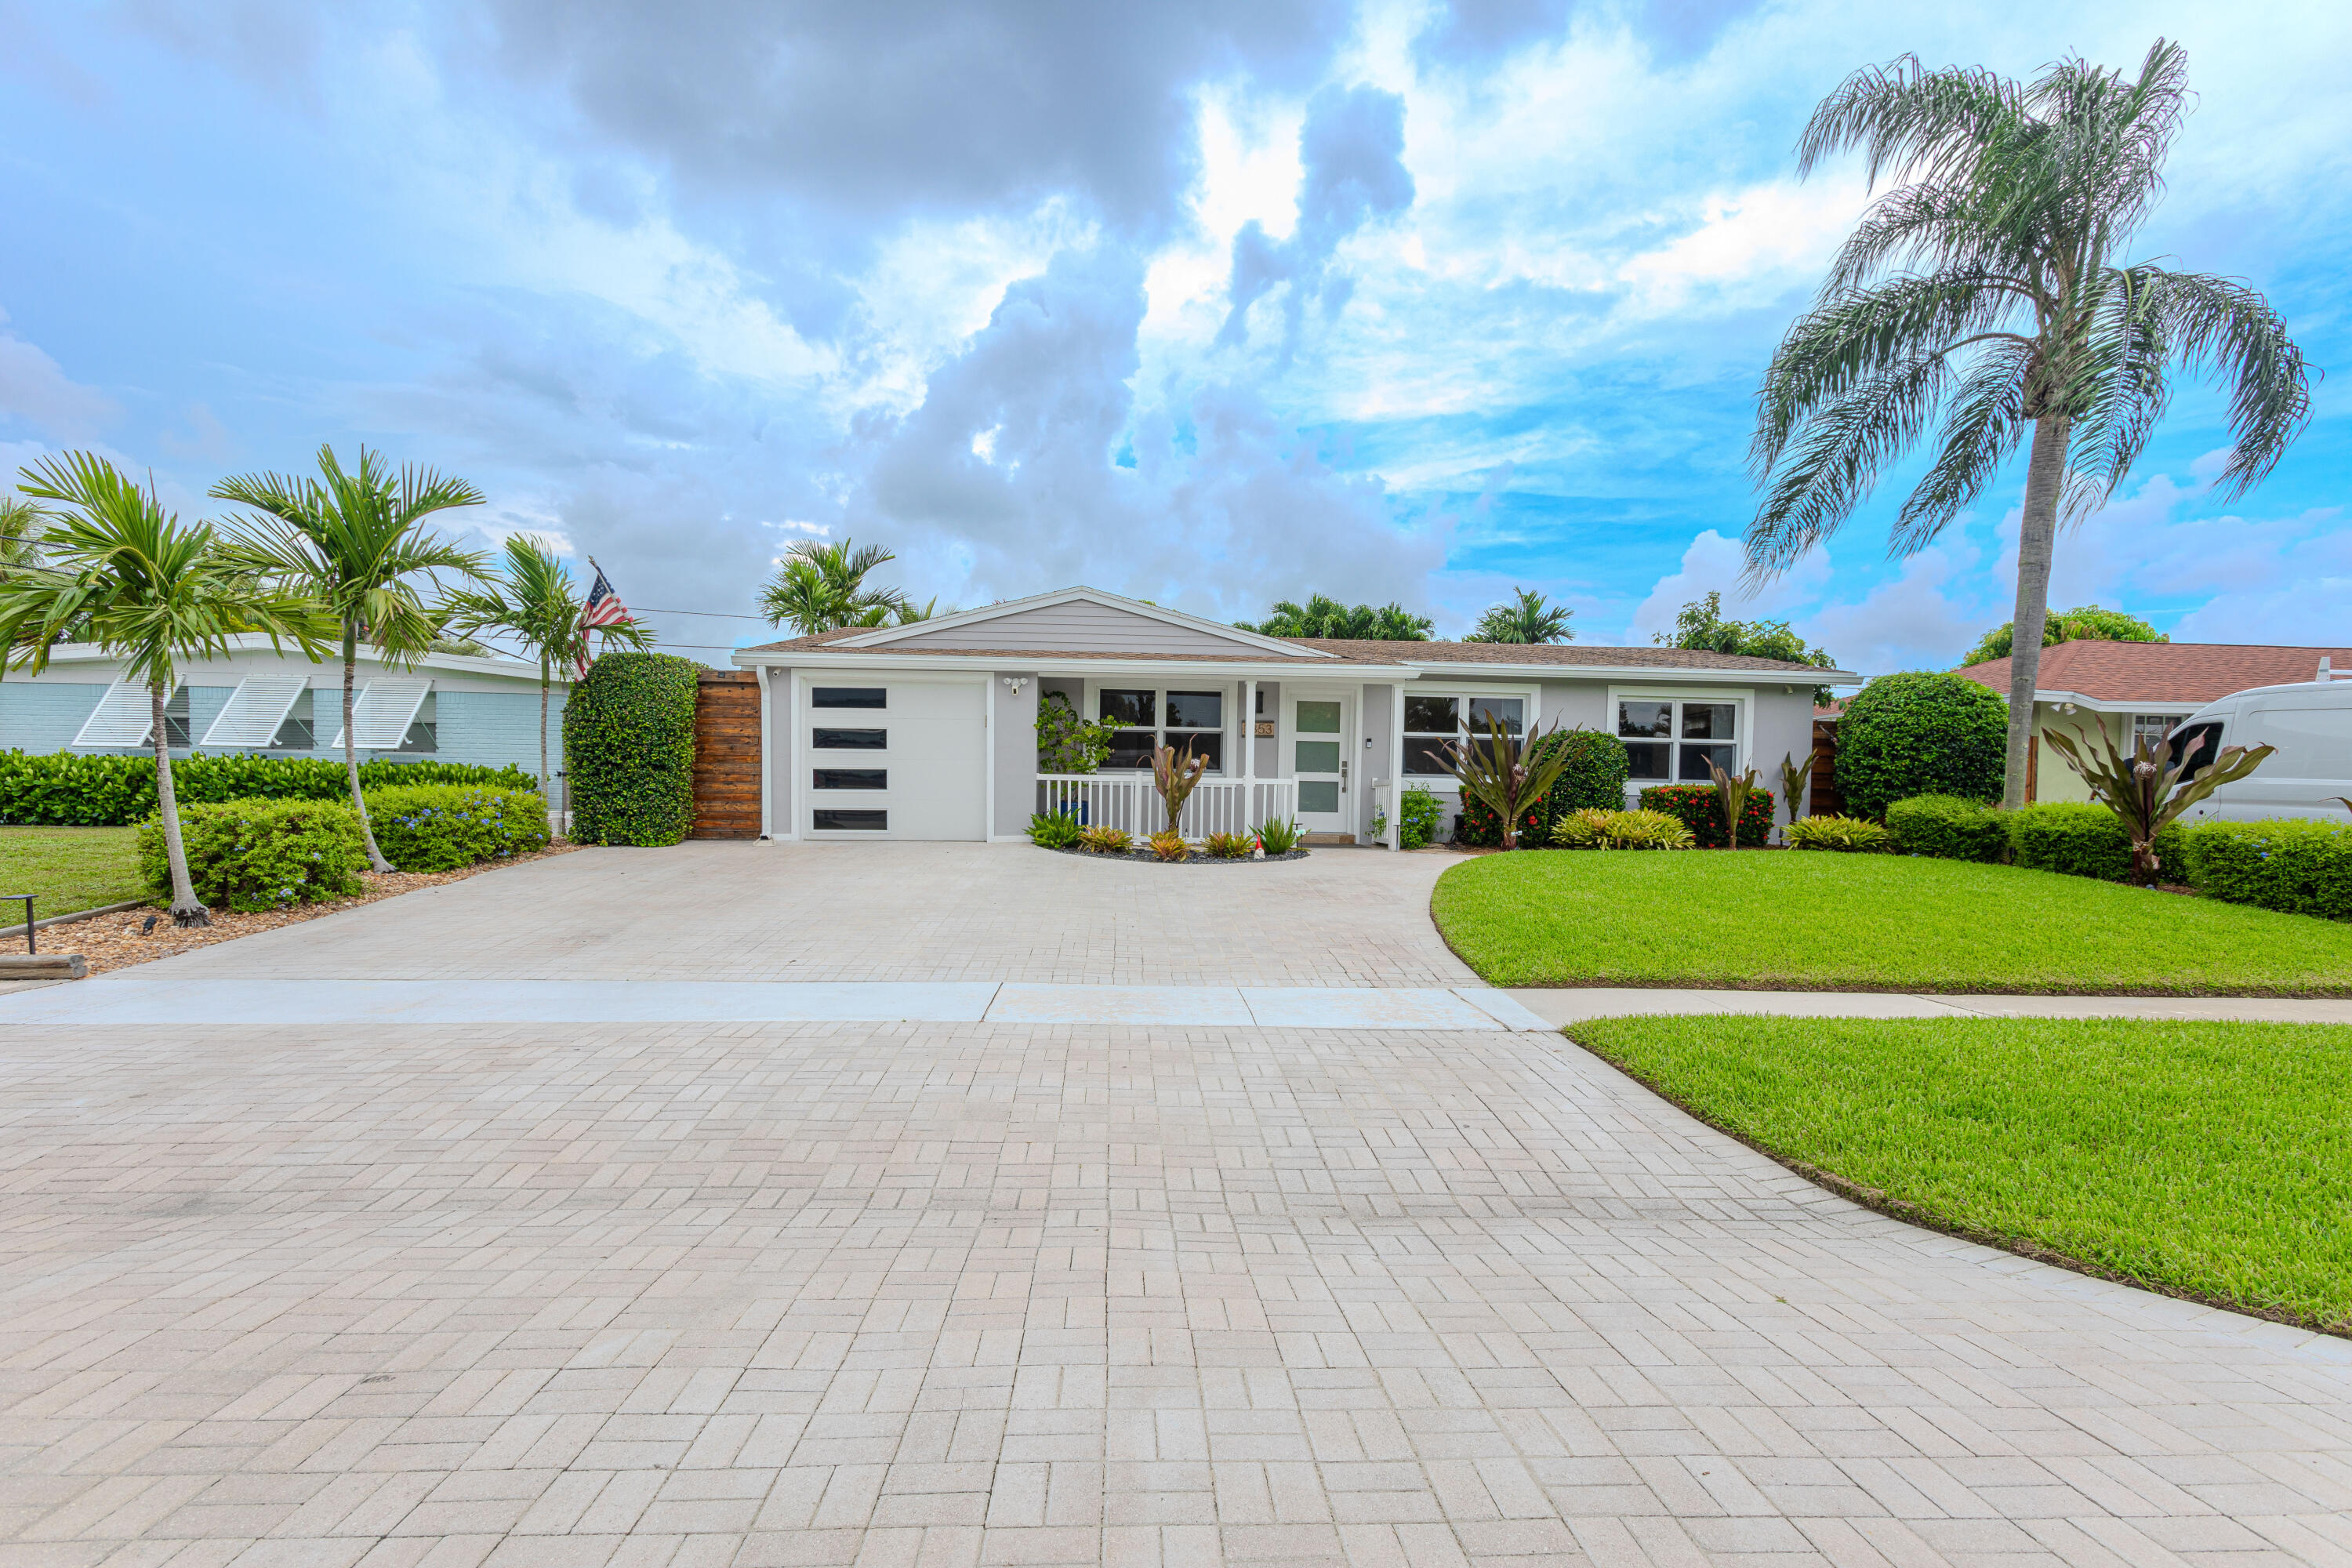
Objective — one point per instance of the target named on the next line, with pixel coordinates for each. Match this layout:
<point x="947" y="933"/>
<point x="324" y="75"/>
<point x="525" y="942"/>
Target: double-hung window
<point x="1143" y="719"/>
<point x="1675" y="739"/>
<point x="2153" y="728"/>
<point x="1433" y="722"/>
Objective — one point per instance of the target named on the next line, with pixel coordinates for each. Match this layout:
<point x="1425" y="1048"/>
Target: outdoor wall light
<point x="1016" y="682"/>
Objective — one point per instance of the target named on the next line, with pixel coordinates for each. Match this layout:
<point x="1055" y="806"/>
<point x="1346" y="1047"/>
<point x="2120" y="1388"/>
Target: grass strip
<point x="2210" y="1161"/>
<point x="67" y="869"/>
<point x="1771" y="921"/>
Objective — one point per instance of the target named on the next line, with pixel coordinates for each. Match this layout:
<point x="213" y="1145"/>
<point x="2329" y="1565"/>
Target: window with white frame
<point x="1143" y="719"/>
<point x="2153" y="728"/>
<point x="1672" y="738"/>
<point x="1434" y="721"/>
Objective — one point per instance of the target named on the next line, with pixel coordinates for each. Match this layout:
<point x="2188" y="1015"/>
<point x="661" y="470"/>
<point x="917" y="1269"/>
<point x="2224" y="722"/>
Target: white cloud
<point x="35" y="389"/>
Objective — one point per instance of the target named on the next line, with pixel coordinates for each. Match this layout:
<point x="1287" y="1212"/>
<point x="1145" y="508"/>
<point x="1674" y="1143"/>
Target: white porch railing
<point x="1129" y="801"/>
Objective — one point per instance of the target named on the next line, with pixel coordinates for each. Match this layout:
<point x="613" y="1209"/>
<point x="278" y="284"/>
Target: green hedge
<point x="1947" y="828"/>
<point x="66" y="789"/>
<point x="439" y="828"/>
<point x="259" y="853"/>
<point x="628" y="729"/>
<point x="2296" y="866"/>
<point x="2084" y="840"/>
<point x="1700" y="809"/>
<point x="1920" y="732"/>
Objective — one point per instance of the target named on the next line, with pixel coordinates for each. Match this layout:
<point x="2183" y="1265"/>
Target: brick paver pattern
<point x="971" y="1293"/>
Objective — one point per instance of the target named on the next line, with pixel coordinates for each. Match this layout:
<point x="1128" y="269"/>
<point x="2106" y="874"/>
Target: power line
<point x="719" y="614"/>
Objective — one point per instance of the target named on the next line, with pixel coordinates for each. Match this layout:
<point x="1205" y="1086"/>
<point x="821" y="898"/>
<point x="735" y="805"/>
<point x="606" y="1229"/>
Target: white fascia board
<point x="1631" y="672"/>
<point x="1212" y="668"/>
<point x="2181" y="705"/>
<point x="512" y="668"/>
<point x="1289" y="647"/>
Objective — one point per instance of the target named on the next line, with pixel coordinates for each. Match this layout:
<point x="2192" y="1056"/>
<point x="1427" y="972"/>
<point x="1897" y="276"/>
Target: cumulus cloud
<point x="33" y="388"/>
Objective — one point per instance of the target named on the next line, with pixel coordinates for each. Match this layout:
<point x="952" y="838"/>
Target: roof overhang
<point x="2122" y="705"/>
<point x="883" y="637"/>
<point x="252" y="643"/>
<point x="835" y="656"/>
<point x="1658" y="673"/>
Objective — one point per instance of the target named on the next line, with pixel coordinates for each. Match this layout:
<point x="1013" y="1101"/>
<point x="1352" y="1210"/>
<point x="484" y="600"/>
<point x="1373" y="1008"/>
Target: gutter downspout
<point x="767" y="789"/>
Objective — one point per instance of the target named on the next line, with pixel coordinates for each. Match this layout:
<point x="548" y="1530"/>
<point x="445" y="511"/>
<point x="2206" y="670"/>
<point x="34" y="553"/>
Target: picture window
<point x="1675" y="741"/>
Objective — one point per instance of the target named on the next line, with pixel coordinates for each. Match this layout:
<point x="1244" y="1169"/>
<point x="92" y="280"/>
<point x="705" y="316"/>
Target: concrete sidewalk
<point x="1562" y="1006"/>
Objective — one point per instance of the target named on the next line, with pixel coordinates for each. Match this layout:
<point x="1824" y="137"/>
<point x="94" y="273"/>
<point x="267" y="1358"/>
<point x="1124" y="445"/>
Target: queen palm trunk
<point x="187" y="909"/>
<point x="2045" y="476"/>
<point x="376" y="862"/>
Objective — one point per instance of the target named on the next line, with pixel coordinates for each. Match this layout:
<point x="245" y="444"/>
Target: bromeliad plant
<point x="1169" y="844"/>
<point x="1176" y="775"/>
<point x="1508" y="774"/>
<point x="2148" y="789"/>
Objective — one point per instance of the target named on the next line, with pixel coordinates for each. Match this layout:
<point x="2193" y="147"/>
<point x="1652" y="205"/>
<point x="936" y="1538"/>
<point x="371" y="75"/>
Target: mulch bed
<point x="1195" y="858"/>
<point x="116" y="941"/>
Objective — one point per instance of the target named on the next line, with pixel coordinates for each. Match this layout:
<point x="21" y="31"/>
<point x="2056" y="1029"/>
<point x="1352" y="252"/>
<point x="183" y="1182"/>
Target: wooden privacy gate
<point x="726" y="755"/>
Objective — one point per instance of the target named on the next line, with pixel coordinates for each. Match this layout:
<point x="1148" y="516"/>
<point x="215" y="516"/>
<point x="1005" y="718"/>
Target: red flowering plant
<point x="1699" y="809"/>
<point x="1506" y="774"/>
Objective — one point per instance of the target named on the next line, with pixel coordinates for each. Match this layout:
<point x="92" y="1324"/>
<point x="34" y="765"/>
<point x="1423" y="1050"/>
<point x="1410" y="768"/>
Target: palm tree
<point x="822" y="588"/>
<point x="1526" y="619"/>
<point x="533" y="601"/>
<point x="1323" y="617"/>
<point x="116" y="564"/>
<point x="20" y="550"/>
<point x="1990" y="287"/>
<point x="357" y="537"/>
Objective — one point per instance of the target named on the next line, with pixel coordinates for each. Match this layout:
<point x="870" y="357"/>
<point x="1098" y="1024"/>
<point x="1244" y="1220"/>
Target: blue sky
<point x="1216" y="303"/>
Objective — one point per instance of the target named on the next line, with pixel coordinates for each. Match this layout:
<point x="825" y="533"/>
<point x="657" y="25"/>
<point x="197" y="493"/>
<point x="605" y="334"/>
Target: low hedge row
<point x="268" y="854"/>
<point x="1947" y="827"/>
<point x="1700" y="809"/>
<point x="67" y="789"/>
<point x="2296" y="866"/>
<point x="2077" y="839"/>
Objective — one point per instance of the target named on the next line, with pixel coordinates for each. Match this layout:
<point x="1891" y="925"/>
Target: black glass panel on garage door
<point x="850" y="740"/>
<point x="853" y="778"/>
<point x="825" y="821"/>
<point x="849" y="697"/>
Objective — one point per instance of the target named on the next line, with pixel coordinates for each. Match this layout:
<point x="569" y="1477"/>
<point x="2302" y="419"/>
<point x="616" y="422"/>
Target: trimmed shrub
<point x="2079" y="839"/>
<point x="2296" y="866"/>
<point x="1947" y="828"/>
<point x="1419" y="812"/>
<point x="628" y="729"/>
<point x="1700" y="809"/>
<point x="1847" y="835"/>
<point x="259" y="853"/>
<point x="439" y="828"/>
<point x="1921" y="733"/>
<point x="66" y="789"/>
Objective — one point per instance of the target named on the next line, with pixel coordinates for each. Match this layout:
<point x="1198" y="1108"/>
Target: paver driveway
<point x="768" y="1294"/>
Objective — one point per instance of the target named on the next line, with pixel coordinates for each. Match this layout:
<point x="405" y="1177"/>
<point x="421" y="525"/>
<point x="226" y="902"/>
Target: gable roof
<point x="972" y="622"/>
<point x="2176" y="675"/>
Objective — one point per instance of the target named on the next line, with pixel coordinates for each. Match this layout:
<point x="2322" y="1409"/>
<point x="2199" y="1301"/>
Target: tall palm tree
<point x="120" y="567"/>
<point x="532" y="601"/>
<point x="1987" y="293"/>
<point x="822" y="588"/>
<point x="1526" y="619"/>
<point x="357" y="537"/>
<point x="20" y="551"/>
<point x="1324" y="616"/>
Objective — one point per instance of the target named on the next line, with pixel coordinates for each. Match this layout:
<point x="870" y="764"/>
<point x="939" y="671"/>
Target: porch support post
<point x="1396" y="767"/>
<point x="767" y="784"/>
<point x="1249" y="752"/>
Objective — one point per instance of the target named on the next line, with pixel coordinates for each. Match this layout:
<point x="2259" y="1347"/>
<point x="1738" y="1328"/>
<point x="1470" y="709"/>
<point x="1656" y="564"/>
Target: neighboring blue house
<point x="453" y="708"/>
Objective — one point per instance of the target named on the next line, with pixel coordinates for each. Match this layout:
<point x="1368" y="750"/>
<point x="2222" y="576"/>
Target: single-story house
<point x="928" y="730"/>
<point x="2127" y="689"/>
<point x="457" y="708"/>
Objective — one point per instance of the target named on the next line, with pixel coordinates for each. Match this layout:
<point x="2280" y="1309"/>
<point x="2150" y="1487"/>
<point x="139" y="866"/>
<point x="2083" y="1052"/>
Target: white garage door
<point x="886" y="758"/>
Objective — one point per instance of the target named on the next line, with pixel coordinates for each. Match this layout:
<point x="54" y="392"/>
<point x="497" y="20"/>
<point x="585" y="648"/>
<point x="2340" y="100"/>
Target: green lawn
<point x="1771" y="920"/>
<point x="2213" y="1159"/>
<point x="67" y="869"/>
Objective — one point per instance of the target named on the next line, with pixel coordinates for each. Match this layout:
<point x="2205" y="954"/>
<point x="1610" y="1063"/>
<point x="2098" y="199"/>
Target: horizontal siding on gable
<point x="1081" y="628"/>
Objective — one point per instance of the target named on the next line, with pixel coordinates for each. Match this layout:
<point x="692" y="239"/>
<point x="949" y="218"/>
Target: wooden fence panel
<point x="1823" y="799"/>
<point x="727" y="755"/>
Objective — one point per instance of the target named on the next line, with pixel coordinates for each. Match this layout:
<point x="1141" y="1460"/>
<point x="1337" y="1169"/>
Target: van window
<point x="2207" y="739"/>
<point x="2312" y="743"/>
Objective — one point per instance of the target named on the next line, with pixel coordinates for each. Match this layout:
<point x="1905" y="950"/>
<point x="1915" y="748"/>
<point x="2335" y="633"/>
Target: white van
<point x="2310" y="722"/>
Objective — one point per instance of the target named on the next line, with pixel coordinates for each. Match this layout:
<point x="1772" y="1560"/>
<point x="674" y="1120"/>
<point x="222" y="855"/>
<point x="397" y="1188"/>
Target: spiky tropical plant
<point x="1508" y="774"/>
<point x="531" y="600"/>
<point x="1176" y="775"/>
<point x="1732" y="790"/>
<point x="1526" y="618"/>
<point x="822" y="587"/>
<point x="1796" y="778"/>
<point x="357" y="538"/>
<point x="140" y="585"/>
<point x="2147" y="789"/>
<point x="1987" y="295"/>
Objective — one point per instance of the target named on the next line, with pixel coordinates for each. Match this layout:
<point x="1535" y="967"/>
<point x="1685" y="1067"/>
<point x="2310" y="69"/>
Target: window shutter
<point x="123" y="717"/>
<point x="381" y="713"/>
<point x="254" y="711"/>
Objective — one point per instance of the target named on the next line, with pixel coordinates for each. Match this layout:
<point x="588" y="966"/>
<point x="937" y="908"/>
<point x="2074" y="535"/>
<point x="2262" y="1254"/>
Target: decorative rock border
<point x="1195" y="858"/>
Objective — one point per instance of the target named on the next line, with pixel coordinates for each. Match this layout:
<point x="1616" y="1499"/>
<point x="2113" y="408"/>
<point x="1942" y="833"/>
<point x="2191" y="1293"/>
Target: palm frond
<point x="1837" y="459"/>
<point x="1984" y="421"/>
<point x="1909" y="121"/>
<point x="2219" y="326"/>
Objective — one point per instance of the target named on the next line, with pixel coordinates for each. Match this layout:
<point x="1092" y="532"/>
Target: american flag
<point x="603" y="608"/>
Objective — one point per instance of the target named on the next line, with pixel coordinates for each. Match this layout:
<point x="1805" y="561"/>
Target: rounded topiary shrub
<point x="259" y="853"/>
<point x="629" y="740"/>
<point x="1920" y="732"/>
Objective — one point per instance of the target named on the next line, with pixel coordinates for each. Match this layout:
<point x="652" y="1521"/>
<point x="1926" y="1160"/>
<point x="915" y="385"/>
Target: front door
<point x="1321" y="729"/>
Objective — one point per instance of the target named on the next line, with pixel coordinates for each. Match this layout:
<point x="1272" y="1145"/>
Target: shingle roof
<point x="2175" y="674"/>
<point x="1347" y="650"/>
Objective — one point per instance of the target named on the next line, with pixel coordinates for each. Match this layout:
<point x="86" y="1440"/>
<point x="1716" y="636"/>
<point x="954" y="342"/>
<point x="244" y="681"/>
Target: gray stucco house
<point x="928" y="731"/>
<point x="455" y="708"/>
